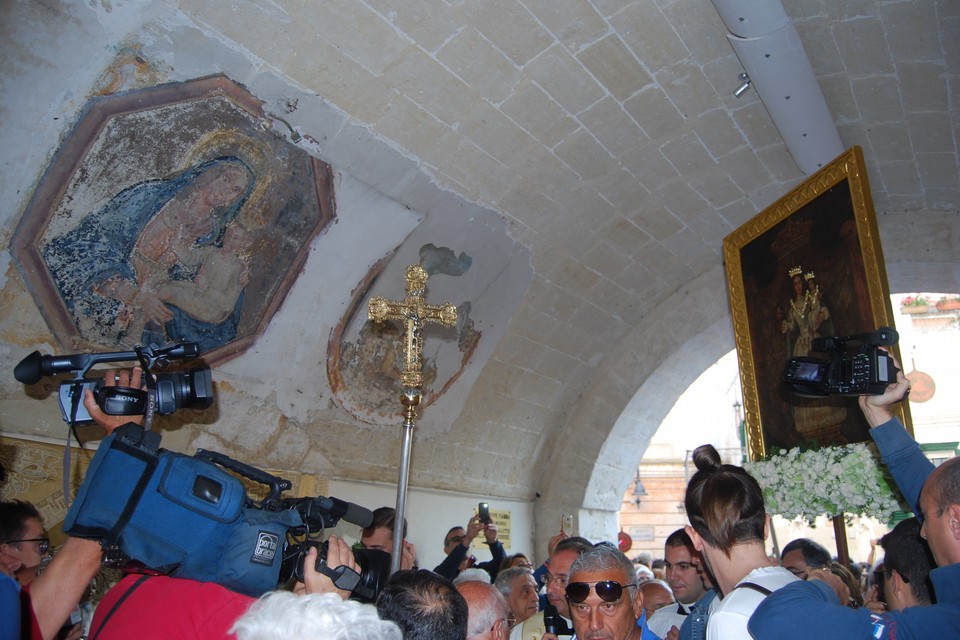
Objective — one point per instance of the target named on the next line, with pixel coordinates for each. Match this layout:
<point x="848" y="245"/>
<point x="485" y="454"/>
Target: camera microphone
<point x="321" y="512"/>
<point x="181" y="350"/>
<point x="348" y="511"/>
<point x="884" y="336"/>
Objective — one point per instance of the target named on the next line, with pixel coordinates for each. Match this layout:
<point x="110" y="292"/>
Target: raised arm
<point x="898" y="450"/>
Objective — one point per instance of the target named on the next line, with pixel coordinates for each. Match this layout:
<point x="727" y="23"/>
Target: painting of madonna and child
<point x="807" y="267"/>
<point x="194" y="239"/>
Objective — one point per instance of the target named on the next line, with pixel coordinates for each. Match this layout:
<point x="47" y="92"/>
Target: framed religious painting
<point x="807" y="267"/>
<point x="172" y="213"/>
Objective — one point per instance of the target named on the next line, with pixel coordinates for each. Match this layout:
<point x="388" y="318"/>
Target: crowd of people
<point x="715" y="581"/>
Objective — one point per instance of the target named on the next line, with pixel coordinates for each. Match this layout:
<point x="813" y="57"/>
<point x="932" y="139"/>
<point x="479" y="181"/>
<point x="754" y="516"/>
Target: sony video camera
<point x="856" y="366"/>
<point x="174" y="390"/>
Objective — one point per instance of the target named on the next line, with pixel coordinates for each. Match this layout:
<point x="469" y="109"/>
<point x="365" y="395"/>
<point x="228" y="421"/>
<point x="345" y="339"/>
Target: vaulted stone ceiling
<point x="602" y="133"/>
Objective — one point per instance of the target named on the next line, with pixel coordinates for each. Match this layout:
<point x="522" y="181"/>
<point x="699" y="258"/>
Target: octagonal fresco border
<point x="171" y="213"/>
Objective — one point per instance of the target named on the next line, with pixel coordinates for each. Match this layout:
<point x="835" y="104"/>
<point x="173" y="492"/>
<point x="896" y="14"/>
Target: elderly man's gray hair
<point x="504" y="581"/>
<point x="605" y="558"/>
<point x="280" y="615"/>
<point x="473" y="574"/>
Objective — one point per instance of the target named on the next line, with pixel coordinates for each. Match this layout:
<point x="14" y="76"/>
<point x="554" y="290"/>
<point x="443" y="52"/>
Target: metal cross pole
<point x="415" y="312"/>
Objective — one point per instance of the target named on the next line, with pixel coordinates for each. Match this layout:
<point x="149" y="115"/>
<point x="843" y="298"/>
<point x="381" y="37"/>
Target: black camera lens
<point x="191" y="389"/>
<point x="374" y="568"/>
<point x="374" y="571"/>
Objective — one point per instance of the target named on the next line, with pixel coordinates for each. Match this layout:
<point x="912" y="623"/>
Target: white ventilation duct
<point x="769" y="48"/>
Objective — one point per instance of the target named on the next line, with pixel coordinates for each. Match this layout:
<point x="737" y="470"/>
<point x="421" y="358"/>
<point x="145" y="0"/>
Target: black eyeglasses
<point x="44" y="543"/>
<point x="607" y="590"/>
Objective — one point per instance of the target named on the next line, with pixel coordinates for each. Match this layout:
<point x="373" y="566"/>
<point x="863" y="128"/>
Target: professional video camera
<point x="191" y="517"/>
<point x="857" y="366"/>
<point x="317" y="514"/>
<point x="171" y="390"/>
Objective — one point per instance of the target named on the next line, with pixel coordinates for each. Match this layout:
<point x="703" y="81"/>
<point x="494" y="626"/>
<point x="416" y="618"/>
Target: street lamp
<point x="639" y="491"/>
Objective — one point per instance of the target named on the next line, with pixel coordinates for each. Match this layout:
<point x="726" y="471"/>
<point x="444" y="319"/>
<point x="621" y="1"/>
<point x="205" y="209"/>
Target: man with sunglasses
<point x="604" y="599"/>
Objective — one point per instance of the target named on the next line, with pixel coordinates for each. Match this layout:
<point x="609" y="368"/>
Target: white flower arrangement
<point x="831" y="481"/>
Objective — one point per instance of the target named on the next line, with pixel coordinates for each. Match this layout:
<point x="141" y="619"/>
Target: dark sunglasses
<point x="607" y="590"/>
<point x="44" y="543"/>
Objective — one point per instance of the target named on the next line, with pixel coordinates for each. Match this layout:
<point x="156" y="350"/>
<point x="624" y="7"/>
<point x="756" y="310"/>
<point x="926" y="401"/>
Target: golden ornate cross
<point x="415" y="312"/>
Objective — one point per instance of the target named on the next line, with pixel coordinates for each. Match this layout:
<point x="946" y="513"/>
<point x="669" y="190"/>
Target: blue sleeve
<point x="493" y="566"/>
<point x="809" y="609"/>
<point x="9" y="608"/>
<point x="538" y="575"/>
<point x="450" y="566"/>
<point x="904" y="459"/>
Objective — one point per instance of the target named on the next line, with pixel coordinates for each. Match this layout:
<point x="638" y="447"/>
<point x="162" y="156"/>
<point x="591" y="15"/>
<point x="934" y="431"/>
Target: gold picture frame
<point x="809" y="264"/>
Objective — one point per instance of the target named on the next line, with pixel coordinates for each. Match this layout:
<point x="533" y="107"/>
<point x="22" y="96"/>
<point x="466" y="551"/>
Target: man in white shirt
<point x="692" y="587"/>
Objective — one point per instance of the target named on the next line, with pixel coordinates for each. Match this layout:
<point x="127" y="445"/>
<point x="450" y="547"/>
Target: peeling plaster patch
<point x="130" y="69"/>
<point x="4" y="267"/>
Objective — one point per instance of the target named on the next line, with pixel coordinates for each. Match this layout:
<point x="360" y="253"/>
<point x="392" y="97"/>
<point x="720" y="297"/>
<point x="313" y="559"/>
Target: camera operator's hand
<point x="123" y="378"/>
<point x="879" y="409"/>
<point x="338" y="554"/>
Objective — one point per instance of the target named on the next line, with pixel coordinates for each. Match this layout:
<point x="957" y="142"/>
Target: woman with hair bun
<point x="728" y="526"/>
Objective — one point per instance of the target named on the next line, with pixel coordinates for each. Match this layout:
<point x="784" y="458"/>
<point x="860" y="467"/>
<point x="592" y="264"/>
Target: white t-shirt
<point x="532" y="628"/>
<point x="729" y="617"/>
<point x="664" y="618"/>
